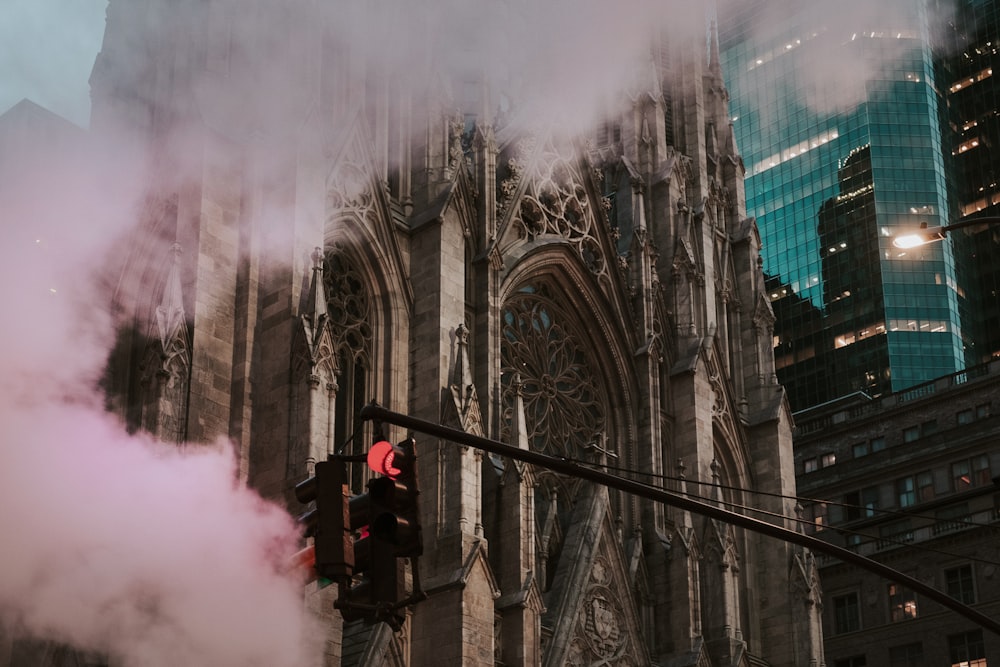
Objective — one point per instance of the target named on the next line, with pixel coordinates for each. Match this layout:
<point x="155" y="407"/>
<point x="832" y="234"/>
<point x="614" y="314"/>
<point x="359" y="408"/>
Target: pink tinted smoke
<point x="151" y="553"/>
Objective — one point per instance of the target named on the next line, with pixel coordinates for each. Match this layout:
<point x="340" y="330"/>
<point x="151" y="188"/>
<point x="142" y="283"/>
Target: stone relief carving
<point x="350" y="188"/>
<point x="603" y="635"/>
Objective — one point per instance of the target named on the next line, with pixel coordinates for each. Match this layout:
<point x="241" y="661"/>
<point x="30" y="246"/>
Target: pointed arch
<point x="369" y="297"/>
<point x="568" y="346"/>
<point x="548" y="280"/>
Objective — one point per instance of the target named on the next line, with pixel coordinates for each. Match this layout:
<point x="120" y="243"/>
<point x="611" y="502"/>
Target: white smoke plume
<point x="140" y="549"/>
<point x="836" y="52"/>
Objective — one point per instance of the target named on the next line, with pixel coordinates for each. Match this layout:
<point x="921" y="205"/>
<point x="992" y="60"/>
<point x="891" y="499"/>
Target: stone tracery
<point x="556" y="203"/>
<point x="564" y="403"/>
<point x="349" y="305"/>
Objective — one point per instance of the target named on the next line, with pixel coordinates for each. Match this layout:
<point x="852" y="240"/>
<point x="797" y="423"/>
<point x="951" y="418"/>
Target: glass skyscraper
<point x="972" y="89"/>
<point x="839" y="119"/>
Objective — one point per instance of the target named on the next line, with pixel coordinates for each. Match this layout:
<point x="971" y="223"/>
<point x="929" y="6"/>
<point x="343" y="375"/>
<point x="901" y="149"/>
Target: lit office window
<point x="966" y="649"/>
<point x="902" y="603"/>
<point x="969" y="80"/>
<point x="971" y="473"/>
<point x="966" y="146"/>
<point x="817" y="514"/>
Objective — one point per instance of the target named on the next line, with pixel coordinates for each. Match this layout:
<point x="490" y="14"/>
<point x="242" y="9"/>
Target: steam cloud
<point x="141" y="549"/>
<point x="114" y="543"/>
<point x="837" y="52"/>
<point x="153" y="553"/>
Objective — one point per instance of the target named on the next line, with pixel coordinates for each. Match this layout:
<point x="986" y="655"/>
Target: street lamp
<point x="925" y="234"/>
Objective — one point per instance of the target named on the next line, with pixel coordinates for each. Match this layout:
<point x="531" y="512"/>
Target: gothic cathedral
<point x="343" y="237"/>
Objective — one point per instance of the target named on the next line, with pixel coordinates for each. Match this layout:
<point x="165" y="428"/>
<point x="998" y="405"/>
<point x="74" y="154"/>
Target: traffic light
<point x="386" y="523"/>
<point x="395" y="512"/>
<point x="329" y="523"/>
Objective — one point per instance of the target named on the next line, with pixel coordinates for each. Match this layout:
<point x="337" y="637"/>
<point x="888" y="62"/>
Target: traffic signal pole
<point x="573" y="469"/>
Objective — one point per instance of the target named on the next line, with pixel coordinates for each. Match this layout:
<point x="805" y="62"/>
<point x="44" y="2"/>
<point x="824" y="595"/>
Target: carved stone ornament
<point x="350" y="187"/>
<point x="554" y="202"/>
<point x="604" y="635"/>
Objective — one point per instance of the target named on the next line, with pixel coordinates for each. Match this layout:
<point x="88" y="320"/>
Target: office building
<point x="909" y="479"/>
<point x="838" y="118"/>
<point x="972" y="92"/>
<point x="851" y="131"/>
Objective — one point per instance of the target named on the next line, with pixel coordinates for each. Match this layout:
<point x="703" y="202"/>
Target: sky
<point x="47" y="49"/>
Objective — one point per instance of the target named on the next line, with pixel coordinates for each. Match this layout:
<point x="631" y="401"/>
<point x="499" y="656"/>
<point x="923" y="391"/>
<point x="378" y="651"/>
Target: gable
<point x="591" y="607"/>
<point x="357" y="204"/>
<point x="548" y="195"/>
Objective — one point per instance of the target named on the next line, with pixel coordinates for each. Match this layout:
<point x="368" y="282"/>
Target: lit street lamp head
<point x="919" y="238"/>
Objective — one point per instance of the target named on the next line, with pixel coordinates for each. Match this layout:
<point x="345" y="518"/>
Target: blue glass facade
<point x="840" y="131"/>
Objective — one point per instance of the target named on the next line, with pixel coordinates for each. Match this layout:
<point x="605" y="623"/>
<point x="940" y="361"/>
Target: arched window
<point x="565" y="406"/>
<point x="350" y="309"/>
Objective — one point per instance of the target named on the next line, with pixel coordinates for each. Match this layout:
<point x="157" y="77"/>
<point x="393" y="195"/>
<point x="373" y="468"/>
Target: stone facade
<point x="599" y="298"/>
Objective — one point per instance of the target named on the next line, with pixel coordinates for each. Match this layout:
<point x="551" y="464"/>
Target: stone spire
<point x="316" y="308"/>
<point x="714" y="59"/>
<point x="314" y="317"/>
<point x="518" y="425"/>
<point x="170" y="313"/>
<point x="463" y="369"/>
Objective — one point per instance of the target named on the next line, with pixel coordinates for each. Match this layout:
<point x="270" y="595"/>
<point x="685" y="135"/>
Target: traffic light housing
<point x="329" y="523"/>
<point x="386" y="524"/>
<point x="395" y="509"/>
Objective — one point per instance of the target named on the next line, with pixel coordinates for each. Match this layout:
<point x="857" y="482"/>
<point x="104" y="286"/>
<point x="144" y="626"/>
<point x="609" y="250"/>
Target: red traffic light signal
<point x="382" y="526"/>
<point x="382" y="458"/>
<point x="377" y="582"/>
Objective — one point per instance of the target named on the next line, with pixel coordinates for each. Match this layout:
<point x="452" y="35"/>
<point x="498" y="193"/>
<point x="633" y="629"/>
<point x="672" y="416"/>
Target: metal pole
<point x="376" y="412"/>
<point x="971" y="222"/>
